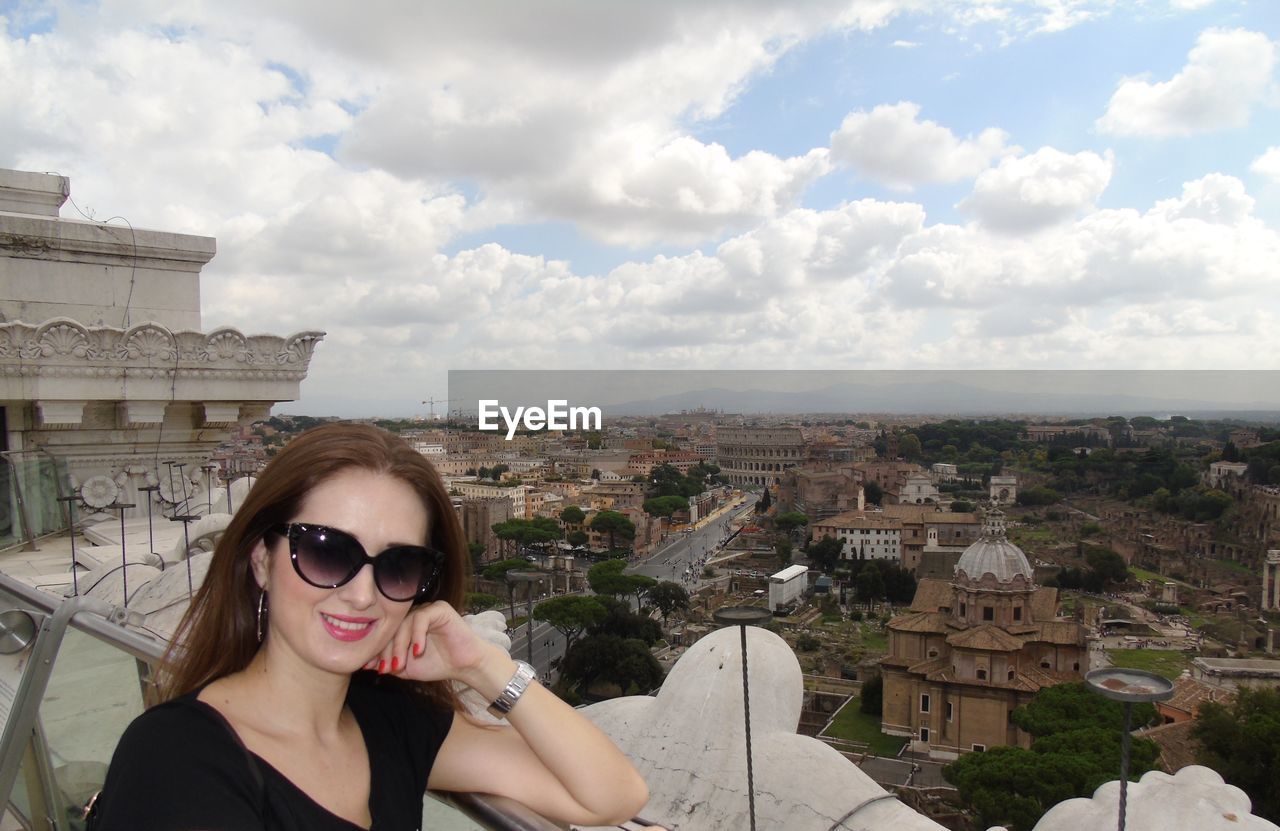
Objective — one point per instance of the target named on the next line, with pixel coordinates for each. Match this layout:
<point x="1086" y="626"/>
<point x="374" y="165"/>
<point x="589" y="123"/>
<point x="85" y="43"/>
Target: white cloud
<point x="891" y="145"/>
<point x="1215" y="198"/>
<point x="1034" y="191"/>
<point x="905" y="44"/>
<point x="1227" y="72"/>
<point x="1268" y="164"/>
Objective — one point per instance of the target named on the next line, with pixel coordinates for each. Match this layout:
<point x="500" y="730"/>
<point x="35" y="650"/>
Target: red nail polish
<point x="395" y="664"/>
<point x="417" y="650"/>
<point x="382" y="665"/>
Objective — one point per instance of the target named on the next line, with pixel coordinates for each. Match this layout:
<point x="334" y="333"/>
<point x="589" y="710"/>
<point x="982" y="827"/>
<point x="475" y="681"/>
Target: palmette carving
<point x="61" y="343"/>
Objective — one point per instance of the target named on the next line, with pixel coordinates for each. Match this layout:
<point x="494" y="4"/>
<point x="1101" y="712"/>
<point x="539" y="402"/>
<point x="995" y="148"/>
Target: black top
<point x="179" y="767"/>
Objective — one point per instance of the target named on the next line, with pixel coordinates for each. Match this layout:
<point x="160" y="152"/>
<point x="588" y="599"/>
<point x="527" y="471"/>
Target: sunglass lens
<point x="326" y="557"/>
<point x="401" y="571"/>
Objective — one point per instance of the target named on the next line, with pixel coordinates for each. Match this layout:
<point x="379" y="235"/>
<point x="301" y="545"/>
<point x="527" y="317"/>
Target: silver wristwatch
<point x="514" y="689"/>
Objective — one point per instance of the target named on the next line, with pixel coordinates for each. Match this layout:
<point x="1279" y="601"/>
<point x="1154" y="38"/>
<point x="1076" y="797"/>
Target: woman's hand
<point x="434" y="643"/>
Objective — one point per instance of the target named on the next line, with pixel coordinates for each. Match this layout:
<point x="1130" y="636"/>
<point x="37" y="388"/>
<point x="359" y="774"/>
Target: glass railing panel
<point x="93" y="695"/>
<point x="30" y="484"/>
<point x="10" y="523"/>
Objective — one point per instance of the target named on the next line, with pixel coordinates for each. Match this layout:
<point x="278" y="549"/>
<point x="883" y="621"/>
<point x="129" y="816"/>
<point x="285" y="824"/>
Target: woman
<point x="310" y="683"/>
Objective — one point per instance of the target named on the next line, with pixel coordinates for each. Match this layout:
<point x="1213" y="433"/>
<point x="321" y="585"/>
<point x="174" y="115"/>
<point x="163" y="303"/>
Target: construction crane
<point x="432" y="402"/>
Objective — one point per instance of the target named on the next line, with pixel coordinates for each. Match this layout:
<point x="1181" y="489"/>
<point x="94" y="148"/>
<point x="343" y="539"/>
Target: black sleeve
<point x="176" y="769"/>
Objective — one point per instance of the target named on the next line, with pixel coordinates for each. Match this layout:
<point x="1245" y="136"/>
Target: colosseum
<point x="758" y="455"/>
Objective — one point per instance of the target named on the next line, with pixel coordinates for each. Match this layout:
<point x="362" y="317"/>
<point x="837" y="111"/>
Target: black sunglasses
<point x="327" y="558"/>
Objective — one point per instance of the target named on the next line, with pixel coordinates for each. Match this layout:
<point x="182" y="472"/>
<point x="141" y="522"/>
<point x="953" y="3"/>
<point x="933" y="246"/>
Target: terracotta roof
<point x="1177" y="748"/>
<point x="1189" y="694"/>
<point x="991" y="638"/>
<point x="935" y="669"/>
<point x="1060" y="631"/>
<point x="921" y="622"/>
<point x="931" y="595"/>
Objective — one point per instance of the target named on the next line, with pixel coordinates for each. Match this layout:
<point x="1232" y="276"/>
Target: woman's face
<point x="340" y="630"/>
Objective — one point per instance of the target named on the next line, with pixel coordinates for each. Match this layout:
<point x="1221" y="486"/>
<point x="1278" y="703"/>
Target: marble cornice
<point x="62" y="347"/>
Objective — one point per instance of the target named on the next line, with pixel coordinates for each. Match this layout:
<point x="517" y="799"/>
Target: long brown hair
<point x="218" y="634"/>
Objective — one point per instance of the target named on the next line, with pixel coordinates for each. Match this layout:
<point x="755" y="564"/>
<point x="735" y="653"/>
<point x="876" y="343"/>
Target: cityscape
<point x="937" y="590"/>
<point x="866" y="414"/>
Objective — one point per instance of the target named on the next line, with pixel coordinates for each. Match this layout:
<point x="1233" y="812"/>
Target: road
<point x="682" y="557"/>
<point x="548" y="644"/>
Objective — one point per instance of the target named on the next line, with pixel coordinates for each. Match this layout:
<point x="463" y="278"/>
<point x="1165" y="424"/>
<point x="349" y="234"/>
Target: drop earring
<point x="262" y="612"/>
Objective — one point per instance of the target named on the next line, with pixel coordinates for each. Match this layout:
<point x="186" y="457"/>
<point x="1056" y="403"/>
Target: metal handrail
<point x="109" y="624"/>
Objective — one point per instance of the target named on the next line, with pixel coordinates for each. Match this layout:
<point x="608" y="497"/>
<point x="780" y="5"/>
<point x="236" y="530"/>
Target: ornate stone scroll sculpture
<point x="72" y="348"/>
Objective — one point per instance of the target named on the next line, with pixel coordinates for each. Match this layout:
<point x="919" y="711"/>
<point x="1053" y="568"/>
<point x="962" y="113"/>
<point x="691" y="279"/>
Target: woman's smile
<point x="347" y="628"/>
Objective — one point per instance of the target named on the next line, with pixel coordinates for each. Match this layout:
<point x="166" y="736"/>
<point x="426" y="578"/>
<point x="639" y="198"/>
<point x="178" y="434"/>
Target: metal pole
<point x="170" y="464"/>
<point x="746" y="716"/>
<point x="124" y="561"/>
<point x="151" y="534"/>
<point x="71" y="528"/>
<point x="1124" y="763"/>
<point x="528" y="639"/>
<point x="182" y="478"/>
<point x="124" y="548"/>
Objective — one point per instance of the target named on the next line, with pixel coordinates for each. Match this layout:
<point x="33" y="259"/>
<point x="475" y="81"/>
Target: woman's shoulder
<point x="184" y="721"/>
<point x="177" y="766"/>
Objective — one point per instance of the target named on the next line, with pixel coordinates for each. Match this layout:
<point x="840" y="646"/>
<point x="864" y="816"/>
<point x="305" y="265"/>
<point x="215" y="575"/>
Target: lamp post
<point x="528" y="578"/>
<point x="1128" y="686"/>
<point x="742" y="617"/>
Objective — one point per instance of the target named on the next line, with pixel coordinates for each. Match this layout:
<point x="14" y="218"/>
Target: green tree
<point x="627" y="663"/>
<point x="498" y="570"/>
<point x="790" y="521"/>
<point x="626" y="624"/>
<point x="477" y="602"/>
<point x="665" y="505"/>
<point x="872" y="696"/>
<point x="607" y="578"/>
<point x="573" y="515"/>
<point x="1076" y="749"/>
<point x="870" y="585"/>
<point x="782" y="547"/>
<point x="668" y="597"/>
<point x="872" y="493"/>
<point x="1109" y="566"/>
<point x="576" y="538"/>
<point x="766" y="500"/>
<point x="826" y="552"/>
<point x="1072" y="706"/>
<point x="961" y="506"/>
<point x="1038" y="495"/>
<point x="570" y="614"/>
<point x="909" y="447"/>
<point x="641" y="585"/>
<point x="615" y="525"/>
<point x="1241" y="741"/>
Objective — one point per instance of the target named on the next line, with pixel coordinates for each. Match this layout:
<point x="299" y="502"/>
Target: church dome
<point x="993" y="554"/>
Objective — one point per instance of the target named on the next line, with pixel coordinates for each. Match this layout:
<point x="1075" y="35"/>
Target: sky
<point x="720" y="184"/>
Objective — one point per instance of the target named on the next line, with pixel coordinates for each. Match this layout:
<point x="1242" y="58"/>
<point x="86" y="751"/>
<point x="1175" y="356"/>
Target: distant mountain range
<point x="939" y="398"/>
